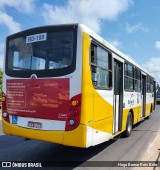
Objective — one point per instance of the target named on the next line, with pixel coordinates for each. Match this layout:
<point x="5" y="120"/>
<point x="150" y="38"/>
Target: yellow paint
<point x="148" y="109"/>
<point x="102" y="109"/>
<point x="103" y="114"/>
<point x="104" y="125"/>
<point x="87" y="87"/>
<point x="136" y="111"/>
<point x="95" y="111"/>
<point x="76" y="137"/>
<point x="50" y="136"/>
<point x="124" y="120"/>
<point x="5" y="126"/>
<point x="140" y="112"/>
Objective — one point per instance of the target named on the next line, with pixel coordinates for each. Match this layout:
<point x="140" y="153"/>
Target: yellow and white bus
<point x="65" y="84"/>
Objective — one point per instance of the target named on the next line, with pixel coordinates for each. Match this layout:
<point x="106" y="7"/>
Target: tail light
<point x="73" y="118"/>
<point x="4" y="107"/>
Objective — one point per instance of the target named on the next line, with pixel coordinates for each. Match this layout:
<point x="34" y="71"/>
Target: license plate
<point x="36" y="125"/>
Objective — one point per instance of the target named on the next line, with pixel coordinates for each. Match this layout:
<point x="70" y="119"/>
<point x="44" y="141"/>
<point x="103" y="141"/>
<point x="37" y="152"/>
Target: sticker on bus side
<point x="36" y="38"/>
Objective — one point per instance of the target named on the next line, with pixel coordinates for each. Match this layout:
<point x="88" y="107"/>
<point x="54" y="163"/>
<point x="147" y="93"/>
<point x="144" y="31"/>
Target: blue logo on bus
<point x="14" y="119"/>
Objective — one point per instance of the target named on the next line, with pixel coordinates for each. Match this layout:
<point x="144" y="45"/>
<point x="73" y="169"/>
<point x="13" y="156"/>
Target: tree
<point x="1" y="75"/>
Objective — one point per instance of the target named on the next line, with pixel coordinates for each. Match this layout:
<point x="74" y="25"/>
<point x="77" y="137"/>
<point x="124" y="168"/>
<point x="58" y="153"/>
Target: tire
<point x="148" y="117"/>
<point x="129" y="125"/>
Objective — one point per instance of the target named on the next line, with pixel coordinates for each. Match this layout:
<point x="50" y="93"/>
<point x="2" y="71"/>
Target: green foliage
<point x="1" y="75"/>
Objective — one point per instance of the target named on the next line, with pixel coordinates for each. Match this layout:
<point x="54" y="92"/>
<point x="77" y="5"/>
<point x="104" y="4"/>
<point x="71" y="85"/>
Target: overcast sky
<point x="133" y="26"/>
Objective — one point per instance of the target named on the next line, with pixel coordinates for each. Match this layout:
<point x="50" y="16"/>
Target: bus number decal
<point x="36" y="38"/>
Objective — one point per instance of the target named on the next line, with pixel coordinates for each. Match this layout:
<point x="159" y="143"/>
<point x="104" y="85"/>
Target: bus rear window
<point x="53" y="53"/>
<point x="40" y="52"/>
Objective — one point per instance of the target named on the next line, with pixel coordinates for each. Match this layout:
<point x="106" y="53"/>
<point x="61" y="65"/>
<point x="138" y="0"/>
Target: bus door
<point x="143" y="95"/>
<point x="118" y="96"/>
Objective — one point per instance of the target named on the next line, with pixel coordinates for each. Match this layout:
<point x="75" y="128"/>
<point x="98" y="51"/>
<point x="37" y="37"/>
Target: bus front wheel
<point x="129" y="125"/>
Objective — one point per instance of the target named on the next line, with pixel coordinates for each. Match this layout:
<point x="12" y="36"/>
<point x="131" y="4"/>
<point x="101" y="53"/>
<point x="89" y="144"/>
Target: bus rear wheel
<point x="129" y="125"/>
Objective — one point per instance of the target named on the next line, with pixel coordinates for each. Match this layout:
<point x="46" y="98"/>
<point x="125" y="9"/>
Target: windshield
<point x="43" y="51"/>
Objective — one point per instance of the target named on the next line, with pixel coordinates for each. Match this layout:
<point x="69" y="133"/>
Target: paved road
<point x="119" y="149"/>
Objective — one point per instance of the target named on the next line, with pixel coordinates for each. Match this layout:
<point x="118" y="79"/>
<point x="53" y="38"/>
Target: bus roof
<point x="111" y="47"/>
<point x="98" y="38"/>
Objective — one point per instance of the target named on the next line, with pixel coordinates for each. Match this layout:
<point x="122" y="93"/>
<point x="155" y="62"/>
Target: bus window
<point x="101" y="67"/>
<point x="137" y="80"/>
<point x="129" y="77"/>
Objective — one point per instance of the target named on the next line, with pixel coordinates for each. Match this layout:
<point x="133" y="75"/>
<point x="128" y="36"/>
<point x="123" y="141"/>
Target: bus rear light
<point x="5" y="114"/>
<point x="4" y="108"/>
<point x="75" y="103"/>
<point x="73" y="118"/>
<point x="74" y="112"/>
<point x="3" y="98"/>
<point x="72" y="122"/>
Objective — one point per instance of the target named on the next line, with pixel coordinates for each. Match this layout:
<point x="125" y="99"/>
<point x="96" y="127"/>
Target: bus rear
<point x="42" y="85"/>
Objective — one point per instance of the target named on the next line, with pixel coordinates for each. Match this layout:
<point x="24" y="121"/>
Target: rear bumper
<point x="76" y="137"/>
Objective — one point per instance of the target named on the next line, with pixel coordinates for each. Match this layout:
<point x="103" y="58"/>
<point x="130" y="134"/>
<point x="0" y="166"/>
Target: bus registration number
<point x="36" y="125"/>
<point x="36" y="38"/>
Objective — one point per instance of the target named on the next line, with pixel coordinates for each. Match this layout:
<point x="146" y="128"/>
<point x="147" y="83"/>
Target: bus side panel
<point x="149" y="102"/>
<point x="132" y="102"/>
<point x="97" y="113"/>
<point x="124" y="120"/>
<point x="148" y="109"/>
<point x="87" y="90"/>
<point x="139" y="113"/>
<point x="87" y="87"/>
<point x="103" y="112"/>
<point x="103" y="105"/>
<point x="136" y="114"/>
<point x="76" y="137"/>
<point x="103" y="116"/>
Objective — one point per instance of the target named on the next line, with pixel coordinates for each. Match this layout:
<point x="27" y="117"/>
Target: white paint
<point x="107" y="95"/>
<point x="95" y="137"/>
<point x="76" y="80"/>
<point x="114" y="110"/>
<point x="116" y="114"/>
<point x="130" y="97"/>
<point x="46" y="124"/>
<point x="118" y="58"/>
<point x="142" y="107"/>
<point x="149" y="98"/>
<point x="89" y="138"/>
